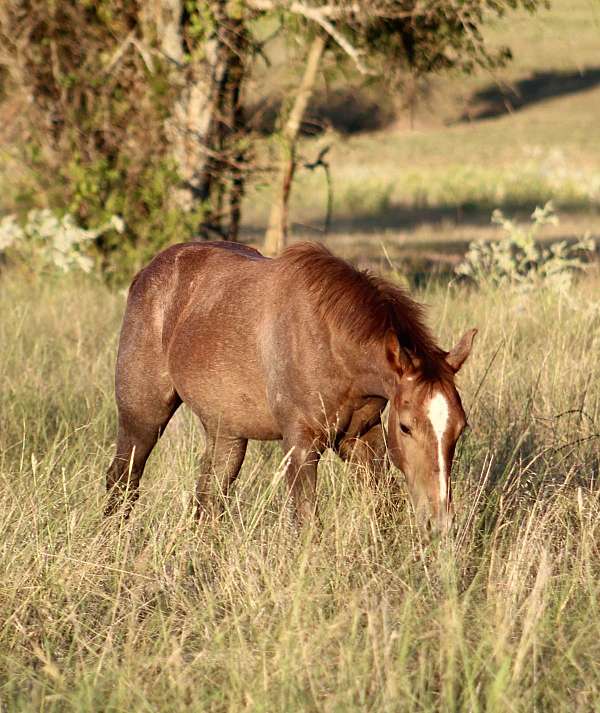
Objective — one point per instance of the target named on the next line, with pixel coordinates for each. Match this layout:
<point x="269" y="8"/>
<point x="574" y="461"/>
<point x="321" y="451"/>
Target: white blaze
<point x="438" y="415"/>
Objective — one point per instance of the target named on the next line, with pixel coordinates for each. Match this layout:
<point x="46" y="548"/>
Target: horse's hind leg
<point x="220" y="466"/>
<point x="142" y="420"/>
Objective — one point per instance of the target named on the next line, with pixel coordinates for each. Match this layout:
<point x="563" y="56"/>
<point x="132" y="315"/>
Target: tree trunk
<point x="207" y="119"/>
<point x="166" y="17"/>
<point x="276" y="236"/>
<point x="235" y="47"/>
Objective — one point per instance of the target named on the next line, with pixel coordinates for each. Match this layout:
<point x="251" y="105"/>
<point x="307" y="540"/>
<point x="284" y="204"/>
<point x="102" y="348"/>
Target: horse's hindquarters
<point x="215" y="352"/>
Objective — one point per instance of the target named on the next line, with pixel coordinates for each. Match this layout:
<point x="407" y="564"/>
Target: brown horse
<point x="302" y="348"/>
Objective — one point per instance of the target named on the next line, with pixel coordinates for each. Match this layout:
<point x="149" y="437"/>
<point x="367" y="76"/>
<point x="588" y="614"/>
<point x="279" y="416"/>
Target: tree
<point x="134" y="108"/>
<point x="208" y="44"/>
<point x="376" y="37"/>
<point x="278" y="221"/>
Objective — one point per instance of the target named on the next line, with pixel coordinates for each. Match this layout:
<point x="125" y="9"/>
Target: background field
<point x="152" y="616"/>
<point x="511" y="140"/>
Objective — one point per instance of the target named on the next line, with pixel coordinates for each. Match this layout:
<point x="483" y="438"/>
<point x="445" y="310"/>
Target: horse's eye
<point x="405" y="429"/>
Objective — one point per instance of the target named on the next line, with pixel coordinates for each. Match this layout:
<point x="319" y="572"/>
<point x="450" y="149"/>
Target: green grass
<point x="153" y="616"/>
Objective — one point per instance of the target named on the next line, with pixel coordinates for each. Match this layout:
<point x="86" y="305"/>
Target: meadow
<point x="252" y="615"/>
<point x="367" y="614"/>
<point x="426" y="184"/>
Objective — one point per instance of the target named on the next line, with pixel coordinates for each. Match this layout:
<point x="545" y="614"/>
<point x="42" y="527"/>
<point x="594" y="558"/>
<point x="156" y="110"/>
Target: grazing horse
<point x="302" y="348"/>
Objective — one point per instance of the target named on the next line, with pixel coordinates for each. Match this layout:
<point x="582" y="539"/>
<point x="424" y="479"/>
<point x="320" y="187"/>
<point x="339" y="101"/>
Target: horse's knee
<point x="302" y="482"/>
<point x="356" y="450"/>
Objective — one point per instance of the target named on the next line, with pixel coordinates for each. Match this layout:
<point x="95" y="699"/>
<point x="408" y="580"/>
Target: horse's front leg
<point x="301" y="475"/>
<point x="368" y="451"/>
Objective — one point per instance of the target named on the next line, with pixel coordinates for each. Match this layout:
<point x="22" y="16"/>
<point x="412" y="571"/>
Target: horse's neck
<point x="372" y="373"/>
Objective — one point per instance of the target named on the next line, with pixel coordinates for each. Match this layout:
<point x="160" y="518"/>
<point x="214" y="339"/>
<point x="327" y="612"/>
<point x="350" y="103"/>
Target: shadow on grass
<point x="349" y="111"/>
<point x="496" y="100"/>
<point x="426" y="239"/>
<point x="411" y="217"/>
<point x="405" y="217"/>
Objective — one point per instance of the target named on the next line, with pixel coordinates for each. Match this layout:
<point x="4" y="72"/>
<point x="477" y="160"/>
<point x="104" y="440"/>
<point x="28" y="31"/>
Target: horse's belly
<point x="249" y="417"/>
<point x="232" y="408"/>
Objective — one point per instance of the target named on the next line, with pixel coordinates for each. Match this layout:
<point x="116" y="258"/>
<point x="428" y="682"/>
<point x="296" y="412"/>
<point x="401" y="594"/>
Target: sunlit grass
<point x="462" y="173"/>
<point x="251" y="615"/>
<point x="451" y="172"/>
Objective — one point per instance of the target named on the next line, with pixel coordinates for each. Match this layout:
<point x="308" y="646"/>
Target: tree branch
<point x="329" y="11"/>
<point x="323" y="16"/>
<point x="335" y="12"/>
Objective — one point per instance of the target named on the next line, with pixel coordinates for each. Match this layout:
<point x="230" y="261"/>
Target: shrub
<point x="519" y="261"/>
<point x="91" y="100"/>
<point x="47" y="242"/>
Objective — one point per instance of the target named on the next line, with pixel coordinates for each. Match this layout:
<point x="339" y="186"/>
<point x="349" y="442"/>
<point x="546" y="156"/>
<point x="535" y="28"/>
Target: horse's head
<point x="426" y="420"/>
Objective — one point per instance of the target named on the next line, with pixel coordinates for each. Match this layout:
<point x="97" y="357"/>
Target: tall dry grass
<point x="150" y="616"/>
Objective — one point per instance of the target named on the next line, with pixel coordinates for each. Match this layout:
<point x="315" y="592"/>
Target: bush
<point x="92" y="100"/>
<point x="519" y="261"/>
<point x="46" y="242"/>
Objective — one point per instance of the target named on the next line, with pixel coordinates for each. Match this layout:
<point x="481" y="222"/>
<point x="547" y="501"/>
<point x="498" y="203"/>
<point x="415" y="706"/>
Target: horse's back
<point x="192" y="256"/>
<point x="183" y="274"/>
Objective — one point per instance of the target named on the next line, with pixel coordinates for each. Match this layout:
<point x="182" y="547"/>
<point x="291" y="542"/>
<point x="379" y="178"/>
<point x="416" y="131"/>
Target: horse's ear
<point x="397" y="357"/>
<point x="457" y="356"/>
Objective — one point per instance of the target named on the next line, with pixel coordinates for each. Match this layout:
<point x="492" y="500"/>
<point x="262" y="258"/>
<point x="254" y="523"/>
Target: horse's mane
<point x="363" y="305"/>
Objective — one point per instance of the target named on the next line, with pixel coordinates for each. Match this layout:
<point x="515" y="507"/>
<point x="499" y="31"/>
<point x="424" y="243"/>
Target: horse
<point x="303" y="348"/>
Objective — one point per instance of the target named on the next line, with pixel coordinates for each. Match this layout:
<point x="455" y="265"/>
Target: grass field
<point x="513" y="139"/>
<point x="252" y="616"/>
<point x="151" y="616"/>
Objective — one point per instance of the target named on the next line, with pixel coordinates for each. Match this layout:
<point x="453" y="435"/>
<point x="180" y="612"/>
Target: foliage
<point x="436" y="36"/>
<point x="390" y="36"/>
<point x="519" y="260"/>
<point x="46" y="241"/>
<point x="94" y="100"/>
